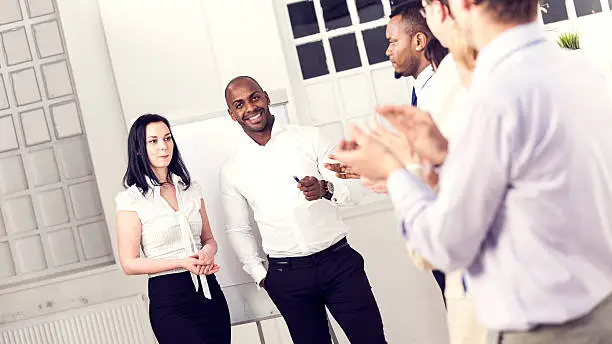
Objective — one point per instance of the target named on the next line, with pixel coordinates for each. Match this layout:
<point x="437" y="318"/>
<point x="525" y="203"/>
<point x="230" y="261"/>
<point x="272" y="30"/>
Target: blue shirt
<point x="525" y="199"/>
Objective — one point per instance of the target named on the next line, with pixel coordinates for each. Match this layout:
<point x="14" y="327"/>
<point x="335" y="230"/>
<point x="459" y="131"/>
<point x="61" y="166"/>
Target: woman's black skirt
<point x="179" y="314"/>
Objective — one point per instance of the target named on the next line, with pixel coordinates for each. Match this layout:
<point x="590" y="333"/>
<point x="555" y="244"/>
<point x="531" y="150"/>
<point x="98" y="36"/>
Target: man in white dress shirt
<point x="525" y="189"/>
<point x="409" y="38"/>
<point x="279" y="172"/>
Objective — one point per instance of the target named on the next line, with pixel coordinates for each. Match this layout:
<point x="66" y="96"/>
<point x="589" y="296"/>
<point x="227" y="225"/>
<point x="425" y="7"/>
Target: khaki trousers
<point x="593" y="328"/>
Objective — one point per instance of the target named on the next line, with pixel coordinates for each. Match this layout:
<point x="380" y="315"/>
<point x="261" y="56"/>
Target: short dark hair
<point x="415" y="23"/>
<point x="511" y="11"/>
<point x="139" y="166"/>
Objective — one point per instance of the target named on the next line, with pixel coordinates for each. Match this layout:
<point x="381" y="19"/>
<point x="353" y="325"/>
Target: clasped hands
<point x="373" y="155"/>
<point x="202" y="262"/>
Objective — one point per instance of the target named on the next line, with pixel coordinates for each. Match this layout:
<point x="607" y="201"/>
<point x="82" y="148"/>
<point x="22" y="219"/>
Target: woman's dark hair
<point x="139" y="166"/>
<point x="435" y="52"/>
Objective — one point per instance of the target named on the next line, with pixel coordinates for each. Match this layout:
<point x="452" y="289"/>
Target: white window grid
<point x="572" y="15"/>
<point x="36" y="63"/>
<point x="357" y="28"/>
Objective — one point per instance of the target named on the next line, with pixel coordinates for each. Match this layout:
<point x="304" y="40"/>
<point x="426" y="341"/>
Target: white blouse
<point x="167" y="234"/>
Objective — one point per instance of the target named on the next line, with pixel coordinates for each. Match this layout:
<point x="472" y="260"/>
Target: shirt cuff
<point x="258" y="273"/>
<point x="341" y="193"/>
<point x="406" y="188"/>
<point x="419" y="261"/>
<point x="347" y="192"/>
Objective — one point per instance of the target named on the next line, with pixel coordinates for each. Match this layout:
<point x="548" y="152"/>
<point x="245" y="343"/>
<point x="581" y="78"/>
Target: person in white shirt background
<point x="525" y="187"/>
<point x="279" y="172"/>
<point x="451" y="81"/>
<point x="412" y="50"/>
<point x="446" y="86"/>
<point x="162" y="211"/>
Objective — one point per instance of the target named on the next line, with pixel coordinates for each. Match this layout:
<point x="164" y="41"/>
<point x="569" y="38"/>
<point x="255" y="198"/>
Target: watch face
<point x="330" y="187"/>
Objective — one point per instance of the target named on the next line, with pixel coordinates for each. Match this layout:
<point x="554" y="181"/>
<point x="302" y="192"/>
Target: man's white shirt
<point x="422" y="85"/>
<point x="262" y="177"/>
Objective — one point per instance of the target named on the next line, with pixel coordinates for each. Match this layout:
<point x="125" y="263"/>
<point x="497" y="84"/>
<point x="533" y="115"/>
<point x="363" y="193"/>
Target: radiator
<point x="123" y="321"/>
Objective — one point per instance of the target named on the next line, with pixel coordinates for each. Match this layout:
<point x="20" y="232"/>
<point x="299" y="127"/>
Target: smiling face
<point x="160" y="145"/>
<point x="248" y="105"/>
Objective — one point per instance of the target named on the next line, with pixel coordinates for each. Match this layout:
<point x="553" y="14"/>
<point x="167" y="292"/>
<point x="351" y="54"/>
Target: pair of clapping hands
<point x="201" y="263"/>
<point x="372" y="153"/>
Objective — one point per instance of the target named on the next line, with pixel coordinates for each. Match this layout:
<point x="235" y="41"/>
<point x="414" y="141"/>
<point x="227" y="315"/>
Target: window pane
<point x="554" y="11"/>
<point x="303" y="19"/>
<point x="586" y="7"/>
<point x="344" y="50"/>
<point x="376" y="44"/>
<point x="312" y="59"/>
<point x="335" y="13"/>
<point x="370" y="10"/>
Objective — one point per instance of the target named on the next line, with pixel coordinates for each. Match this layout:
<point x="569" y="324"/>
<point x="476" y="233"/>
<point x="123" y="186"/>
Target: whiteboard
<point x="205" y="142"/>
<point x="162" y="57"/>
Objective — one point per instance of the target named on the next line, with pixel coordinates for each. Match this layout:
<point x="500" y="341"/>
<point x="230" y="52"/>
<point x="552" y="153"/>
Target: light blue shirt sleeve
<point x="449" y="228"/>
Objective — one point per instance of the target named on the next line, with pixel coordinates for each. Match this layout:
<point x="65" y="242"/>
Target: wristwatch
<point x="328" y="188"/>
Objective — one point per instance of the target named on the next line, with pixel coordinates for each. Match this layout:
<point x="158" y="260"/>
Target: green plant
<point x="569" y="40"/>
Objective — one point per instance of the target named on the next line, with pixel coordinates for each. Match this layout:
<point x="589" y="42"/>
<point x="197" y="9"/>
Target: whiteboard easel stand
<point x="262" y="338"/>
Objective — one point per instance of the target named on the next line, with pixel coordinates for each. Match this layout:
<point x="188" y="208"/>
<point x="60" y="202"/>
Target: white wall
<point x="175" y="58"/>
<point x="595" y="38"/>
<point x="161" y="57"/>
<point x="245" y="40"/>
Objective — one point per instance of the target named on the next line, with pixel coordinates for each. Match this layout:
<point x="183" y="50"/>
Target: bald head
<point x="241" y="80"/>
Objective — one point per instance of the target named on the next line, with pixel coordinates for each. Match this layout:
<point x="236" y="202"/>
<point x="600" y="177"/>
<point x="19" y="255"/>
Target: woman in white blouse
<point x="162" y="211"/>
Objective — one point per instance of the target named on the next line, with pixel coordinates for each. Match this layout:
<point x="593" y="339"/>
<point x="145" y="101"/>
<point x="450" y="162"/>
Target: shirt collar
<point x="277" y="128"/>
<point x="423" y="78"/>
<point x="505" y="44"/>
<point x="176" y="180"/>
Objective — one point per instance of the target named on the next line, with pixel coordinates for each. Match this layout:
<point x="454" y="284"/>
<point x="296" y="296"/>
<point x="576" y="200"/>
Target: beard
<point x="412" y="67"/>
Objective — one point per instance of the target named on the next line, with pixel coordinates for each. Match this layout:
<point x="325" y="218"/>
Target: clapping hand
<point x="419" y="130"/>
<point x="367" y="156"/>
<point x="342" y="170"/>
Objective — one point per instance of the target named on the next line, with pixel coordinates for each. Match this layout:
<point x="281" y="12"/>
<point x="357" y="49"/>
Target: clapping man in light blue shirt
<point x="525" y="189"/>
